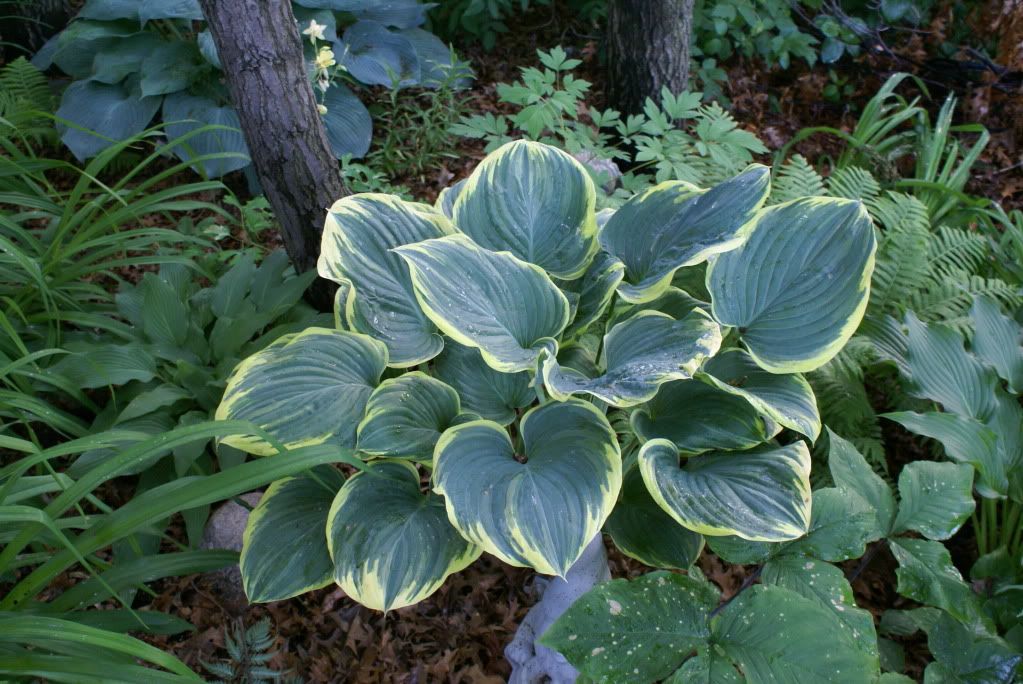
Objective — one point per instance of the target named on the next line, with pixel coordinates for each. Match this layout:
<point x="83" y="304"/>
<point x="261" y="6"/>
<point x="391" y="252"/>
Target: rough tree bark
<point x="647" y="49"/>
<point x="260" y="47"/>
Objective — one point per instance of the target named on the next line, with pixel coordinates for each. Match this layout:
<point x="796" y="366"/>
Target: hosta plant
<point x="518" y="373"/>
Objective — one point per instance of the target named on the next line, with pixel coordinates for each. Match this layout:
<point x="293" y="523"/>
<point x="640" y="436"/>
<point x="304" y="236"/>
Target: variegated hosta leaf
<point x="642" y="353"/>
<point x="697" y="417"/>
<point x="283" y="553"/>
<point x="358" y="236"/>
<point x="759" y="495"/>
<point x="483" y="390"/>
<point x="676" y="224"/>
<point x="307" y="388"/>
<point x="534" y="201"/>
<point x="797" y="288"/>
<point x="787" y="399"/>
<point x="594" y="291"/>
<point x="405" y="416"/>
<point x="445" y="203"/>
<point x="673" y="301"/>
<point x="391" y="545"/>
<point x="541" y="513"/>
<point x="508" y="309"/>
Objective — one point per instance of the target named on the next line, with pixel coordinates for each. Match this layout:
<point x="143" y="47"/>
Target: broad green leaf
<point x="797" y="288"/>
<point x="826" y="585"/>
<point x="759" y="495"/>
<point x="492" y="394"/>
<point x="708" y="666"/>
<point x="541" y="513"/>
<point x="594" y="290"/>
<point x="941" y="370"/>
<point x="741" y="551"/>
<point x="964" y="656"/>
<point x="777" y="636"/>
<point x="100" y="365"/>
<point x="634" y="631"/>
<point x="641" y="354"/>
<point x="306" y="388"/>
<point x="100" y="115"/>
<point x="786" y="399"/>
<point x="966" y="440"/>
<point x="348" y="123"/>
<point x="392" y="545"/>
<point x="926" y="574"/>
<point x="642" y="530"/>
<point x="534" y="201"/>
<point x="851" y="472"/>
<point x="405" y="416"/>
<point x="676" y="224"/>
<point x="359" y="237"/>
<point x="445" y="203"/>
<point x="996" y="340"/>
<point x="698" y="417"/>
<point x="284" y="552"/>
<point x="169" y="68"/>
<point x="937" y="498"/>
<point x="674" y="302"/>
<point x="164" y="314"/>
<point x="222" y="143"/>
<point x="507" y="308"/>
<point x="840" y="527"/>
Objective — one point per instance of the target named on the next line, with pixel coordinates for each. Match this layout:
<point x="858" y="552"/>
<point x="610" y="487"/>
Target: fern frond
<point x="901" y="267"/>
<point x="953" y="252"/>
<point x="796" y="178"/>
<point x="949" y="300"/>
<point x="853" y="182"/>
<point x="25" y="83"/>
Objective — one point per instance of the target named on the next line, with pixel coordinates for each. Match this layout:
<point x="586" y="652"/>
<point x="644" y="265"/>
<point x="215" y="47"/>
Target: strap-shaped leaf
<point x="642" y="354"/>
<point x="642" y="530"/>
<point x="508" y="309"/>
<point x="534" y="201"/>
<point x="483" y="390"/>
<point x="786" y="399"/>
<point x="759" y="495"/>
<point x="698" y="417"/>
<point x="594" y="290"/>
<point x="405" y="416"/>
<point x="675" y="224"/>
<point x="307" y="388"/>
<point x="283" y="551"/>
<point x="798" y="287"/>
<point x="391" y="545"/>
<point x="937" y="498"/>
<point x="356" y="249"/>
<point x="996" y="340"/>
<point x="541" y="513"/>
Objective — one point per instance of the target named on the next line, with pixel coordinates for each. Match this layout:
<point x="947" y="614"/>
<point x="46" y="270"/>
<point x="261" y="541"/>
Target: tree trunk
<point x="647" y="49"/>
<point x="260" y="48"/>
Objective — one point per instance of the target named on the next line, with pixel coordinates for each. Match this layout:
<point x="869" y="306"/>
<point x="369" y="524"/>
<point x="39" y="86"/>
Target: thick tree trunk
<point x="259" y="45"/>
<point x="647" y="49"/>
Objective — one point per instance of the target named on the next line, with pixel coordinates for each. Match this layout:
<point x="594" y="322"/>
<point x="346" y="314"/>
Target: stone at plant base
<point x="533" y="663"/>
<point x="224" y="530"/>
<point x="605" y="169"/>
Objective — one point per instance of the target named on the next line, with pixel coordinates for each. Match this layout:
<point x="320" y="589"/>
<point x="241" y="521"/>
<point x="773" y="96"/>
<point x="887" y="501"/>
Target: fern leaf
<point x="901" y="267"/>
<point x="796" y="178"/>
<point x="953" y="252"/>
<point x="853" y="182"/>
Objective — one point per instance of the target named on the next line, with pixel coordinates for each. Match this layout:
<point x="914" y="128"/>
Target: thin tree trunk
<point x="648" y="49"/>
<point x="261" y="50"/>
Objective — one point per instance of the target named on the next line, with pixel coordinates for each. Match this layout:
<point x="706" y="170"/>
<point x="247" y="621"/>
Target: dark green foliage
<point x="249" y="652"/>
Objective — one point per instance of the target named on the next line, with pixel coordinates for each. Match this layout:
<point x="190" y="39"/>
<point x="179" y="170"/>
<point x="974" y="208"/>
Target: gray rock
<point x="605" y="169"/>
<point x="224" y="530"/>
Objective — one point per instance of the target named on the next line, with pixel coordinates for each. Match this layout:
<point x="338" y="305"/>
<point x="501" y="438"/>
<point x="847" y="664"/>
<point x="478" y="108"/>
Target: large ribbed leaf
<point x="347" y="122"/>
<point x="786" y="399"/>
<point x="307" y="388"/>
<point x="926" y="574"/>
<point x="851" y="472"/>
<point x="534" y="201"/>
<point x="508" y="309"/>
<point x="760" y="495"/>
<point x="405" y="416"/>
<point x="358" y="238"/>
<point x="284" y="553"/>
<point x="392" y="545"/>
<point x="541" y="513"/>
<point x="675" y="224"/>
<point x="642" y="354"/>
<point x="594" y="290"/>
<point x="937" y="498"/>
<point x="698" y="417"/>
<point x="673" y="301"/>
<point x="841" y="526"/>
<point x="102" y="115"/>
<point x="797" y="288"/>
<point x="642" y="530"/>
<point x="483" y="390"/>
<point x="996" y="340"/>
<point x="377" y="56"/>
<point x="184" y="113"/>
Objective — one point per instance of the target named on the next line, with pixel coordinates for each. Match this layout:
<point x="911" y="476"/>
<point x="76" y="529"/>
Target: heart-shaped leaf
<point x="508" y="309"/>
<point x="851" y="472"/>
<point x="392" y="546"/>
<point x="759" y="495"/>
<point x="347" y="122"/>
<point x="375" y="55"/>
<point x="483" y="390"/>
<point x="102" y="115"/>
<point x="358" y="244"/>
<point x="996" y="340"/>
<point x="306" y="388"/>
<point x="798" y="287"/>
<point x="642" y="354"/>
<point x="184" y="114"/>
<point x="676" y="224"/>
<point x="937" y="498"/>
<point x="534" y="201"/>
<point x="405" y="416"/>
<point x="541" y="513"/>
<point x="594" y="290"/>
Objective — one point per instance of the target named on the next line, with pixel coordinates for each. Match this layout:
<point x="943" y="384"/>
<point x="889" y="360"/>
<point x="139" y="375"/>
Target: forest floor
<point x="458" y="634"/>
